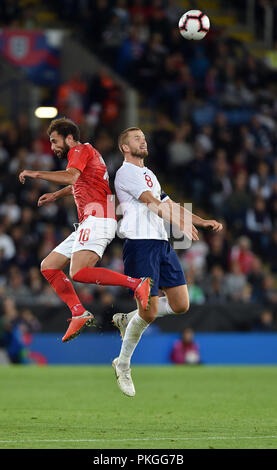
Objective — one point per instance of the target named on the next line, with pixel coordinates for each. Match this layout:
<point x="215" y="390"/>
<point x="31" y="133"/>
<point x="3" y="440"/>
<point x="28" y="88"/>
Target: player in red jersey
<point x="85" y="177"/>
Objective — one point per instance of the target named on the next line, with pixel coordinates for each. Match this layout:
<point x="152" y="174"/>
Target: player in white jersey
<point x="147" y="251"/>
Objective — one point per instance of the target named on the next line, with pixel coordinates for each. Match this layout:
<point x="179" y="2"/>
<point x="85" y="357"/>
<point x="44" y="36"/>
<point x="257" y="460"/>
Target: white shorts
<point x="93" y="234"/>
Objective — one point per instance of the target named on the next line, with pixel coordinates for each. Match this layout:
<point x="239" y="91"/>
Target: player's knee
<point x="44" y="264"/>
<point x="182" y="307"/>
<point x="76" y="273"/>
<point x="72" y="273"/>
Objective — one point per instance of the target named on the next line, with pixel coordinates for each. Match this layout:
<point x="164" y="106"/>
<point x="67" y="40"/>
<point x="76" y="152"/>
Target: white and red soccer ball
<point x="194" y="25"/>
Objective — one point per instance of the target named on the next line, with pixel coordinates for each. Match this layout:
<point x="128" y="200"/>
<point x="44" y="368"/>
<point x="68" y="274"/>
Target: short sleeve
<point x="164" y="196"/>
<point x="78" y="158"/>
<point x="132" y="181"/>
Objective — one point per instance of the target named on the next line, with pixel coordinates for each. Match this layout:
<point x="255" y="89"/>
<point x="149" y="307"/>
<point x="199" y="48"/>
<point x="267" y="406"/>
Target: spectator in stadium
<point x="255" y="278"/>
<point x="180" y="152"/>
<point x="34" y="280"/>
<point x="265" y="322"/>
<point x="241" y="252"/>
<point x="204" y="139"/>
<point x="272" y="203"/>
<point x="195" y="257"/>
<point x="221" y="187"/>
<point x="38" y="158"/>
<point x="259" y="225"/>
<point x="186" y="350"/>
<point x="70" y="98"/>
<point x="271" y="253"/>
<point x="9" y="208"/>
<point x="238" y="202"/>
<point x="234" y="282"/>
<point x="29" y="325"/>
<point x="129" y="54"/>
<point x="247" y="294"/>
<point x="218" y="252"/>
<point x="269" y="291"/>
<point x="199" y="65"/>
<point x="196" y="293"/>
<point x="112" y="38"/>
<point x="6" y="242"/>
<point x="259" y="181"/>
<point x="161" y="136"/>
<point x="13" y="340"/>
<point x="151" y="63"/>
<point x="214" y="286"/>
<point x="16" y="287"/>
<point x="197" y="178"/>
<point x="222" y="131"/>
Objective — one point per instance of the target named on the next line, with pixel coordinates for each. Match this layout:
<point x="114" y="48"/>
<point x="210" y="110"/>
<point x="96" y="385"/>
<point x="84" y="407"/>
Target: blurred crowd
<point x="212" y="142"/>
<point x="17" y="327"/>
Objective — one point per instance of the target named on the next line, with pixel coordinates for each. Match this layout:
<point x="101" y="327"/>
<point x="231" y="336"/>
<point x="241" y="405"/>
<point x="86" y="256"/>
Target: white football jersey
<point x="138" y="221"/>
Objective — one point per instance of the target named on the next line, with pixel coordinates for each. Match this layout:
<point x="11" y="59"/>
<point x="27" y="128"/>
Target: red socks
<point x="105" y="277"/>
<point x="64" y="289"/>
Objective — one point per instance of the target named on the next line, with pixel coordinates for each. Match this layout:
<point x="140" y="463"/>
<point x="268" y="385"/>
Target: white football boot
<point x="121" y="320"/>
<point x="124" y="379"/>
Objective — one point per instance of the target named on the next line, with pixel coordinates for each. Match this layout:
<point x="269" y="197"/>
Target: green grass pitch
<point x="192" y="407"/>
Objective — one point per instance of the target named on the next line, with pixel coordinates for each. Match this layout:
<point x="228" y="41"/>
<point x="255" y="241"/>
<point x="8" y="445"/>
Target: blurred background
<point x="209" y="112"/>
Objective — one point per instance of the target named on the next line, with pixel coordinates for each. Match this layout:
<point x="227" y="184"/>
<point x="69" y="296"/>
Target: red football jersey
<point x="92" y="193"/>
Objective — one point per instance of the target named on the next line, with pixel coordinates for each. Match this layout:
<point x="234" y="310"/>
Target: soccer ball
<point x="194" y="25"/>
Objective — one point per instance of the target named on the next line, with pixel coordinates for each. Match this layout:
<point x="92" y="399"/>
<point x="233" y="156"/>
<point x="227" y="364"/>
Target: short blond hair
<point x="123" y="137"/>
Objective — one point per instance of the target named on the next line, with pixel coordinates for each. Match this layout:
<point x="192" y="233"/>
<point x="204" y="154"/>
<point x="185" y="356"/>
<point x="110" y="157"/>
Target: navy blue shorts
<point x="153" y="258"/>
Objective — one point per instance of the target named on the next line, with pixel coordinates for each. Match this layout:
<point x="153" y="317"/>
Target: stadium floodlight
<point x="46" y="112"/>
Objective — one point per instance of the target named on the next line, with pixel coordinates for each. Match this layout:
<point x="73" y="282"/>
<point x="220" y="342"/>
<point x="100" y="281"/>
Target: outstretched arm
<point x="52" y="197"/>
<point x="176" y="214"/>
<point x="171" y="213"/>
<point x="68" y="176"/>
<point x="196" y="220"/>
